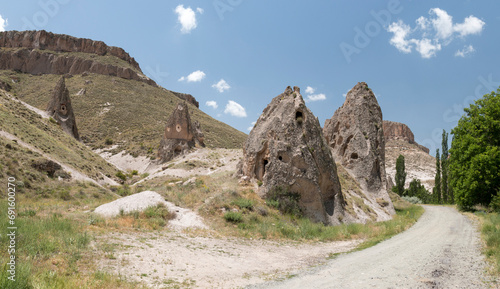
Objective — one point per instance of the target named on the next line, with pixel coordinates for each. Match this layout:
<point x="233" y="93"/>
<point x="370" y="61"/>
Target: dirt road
<point x="442" y="250"/>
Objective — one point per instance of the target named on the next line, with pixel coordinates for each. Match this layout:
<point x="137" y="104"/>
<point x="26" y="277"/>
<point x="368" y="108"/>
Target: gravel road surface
<point x="442" y="250"/>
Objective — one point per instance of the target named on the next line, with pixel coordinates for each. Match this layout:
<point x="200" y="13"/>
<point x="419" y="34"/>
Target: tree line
<point x="467" y="174"/>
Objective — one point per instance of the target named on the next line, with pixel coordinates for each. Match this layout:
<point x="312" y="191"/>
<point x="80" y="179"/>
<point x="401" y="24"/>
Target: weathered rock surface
<point x="44" y="40"/>
<point x="187" y="97"/>
<point x="61" y="110"/>
<point x="355" y="135"/>
<point x="286" y="148"/>
<point x="180" y="134"/>
<point x="38" y="62"/>
<point x="400" y="131"/>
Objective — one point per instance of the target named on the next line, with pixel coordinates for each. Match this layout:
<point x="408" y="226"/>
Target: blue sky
<point x="424" y="60"/>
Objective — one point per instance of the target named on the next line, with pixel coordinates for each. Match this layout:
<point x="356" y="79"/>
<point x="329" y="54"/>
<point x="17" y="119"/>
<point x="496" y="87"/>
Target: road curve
<point x="442" y="250"/>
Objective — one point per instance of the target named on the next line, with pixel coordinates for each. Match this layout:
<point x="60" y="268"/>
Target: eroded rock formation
<point x="356" y="137"/>
<point x="180" y="134"/>
<point x="187" y="97"/>
<point x="400" y="131"/>
<point x="61" y="110"/>
<point x="286" y="148"/>
<point x="44" y="40"/>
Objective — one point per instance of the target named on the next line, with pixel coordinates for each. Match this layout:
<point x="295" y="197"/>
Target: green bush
<point x="121" y="176"/>
<point x="285" y="201"/>
<point x="233" y="217"/>
<point x="413" y="200"/>
<point x="244" y="203"/>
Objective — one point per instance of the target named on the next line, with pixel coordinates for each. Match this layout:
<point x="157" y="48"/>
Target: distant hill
<point x="115" y="104"/>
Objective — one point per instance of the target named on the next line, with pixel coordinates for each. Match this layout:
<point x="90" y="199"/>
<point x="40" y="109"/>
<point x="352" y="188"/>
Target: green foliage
<point x="400" y="176"/>
<point x="233" y="217"/>
<point x="244" y="203"/>
<point x="285" y="201"/>
<point x="416" y="189"/>
<point x="413" y="200"/>
<point x="108" y="142"/>
<point x="436" y="192"/>
<point x="121" y="176"/>
<point x="474" y="165"/>
<point x="445" y="193"/>
<point x="490" y="231"/>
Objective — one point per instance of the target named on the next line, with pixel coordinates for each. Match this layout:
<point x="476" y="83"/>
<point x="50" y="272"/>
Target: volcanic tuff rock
<point x="180" y="134"/>
<point x="187" y="97"/>
<point x="356" y="137"/>
<point x="286" y="149"/>
<point x="44" y="40"/>
<point x="61" y="110"/>
<point x="400" y="131"/>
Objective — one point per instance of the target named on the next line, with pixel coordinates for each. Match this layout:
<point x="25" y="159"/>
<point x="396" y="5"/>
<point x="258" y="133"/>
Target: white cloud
<point x="212" y="103"/>
<point x="426" y="47"/>
<point x="464" y="52"/>
<point x="310" y="90"/>
<point x="316" y="97"/>
<point x="235" y="109"/>
<point x="187" y="18"/>
<point x="195" y="76"/>
<point x="221" y="86"/>
<point x="431" y="34"/>
<point x="471" y="25"/>
<point x="3" y="23"/>
<point x="399" y="40"/>
<point x="251" y="127"/>
<point x="443" y="23"/>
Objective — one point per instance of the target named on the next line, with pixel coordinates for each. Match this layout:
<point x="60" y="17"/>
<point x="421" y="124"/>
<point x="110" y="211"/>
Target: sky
<point x="424" y="60"/>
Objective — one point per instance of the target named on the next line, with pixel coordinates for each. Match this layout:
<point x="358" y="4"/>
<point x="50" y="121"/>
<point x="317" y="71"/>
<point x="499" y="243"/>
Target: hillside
<point x="114" y="103"/>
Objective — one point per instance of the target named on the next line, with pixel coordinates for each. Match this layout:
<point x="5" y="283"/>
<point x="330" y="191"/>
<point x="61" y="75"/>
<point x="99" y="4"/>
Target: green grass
<point x="48" y="138"/>
<point x="136" y="117"/>
<point x="490" y="230"/>
<point x="52" y="251"/>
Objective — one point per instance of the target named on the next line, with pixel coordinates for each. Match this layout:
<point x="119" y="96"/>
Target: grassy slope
<point x="134" y="119"/>
<point x="46" y="136"/>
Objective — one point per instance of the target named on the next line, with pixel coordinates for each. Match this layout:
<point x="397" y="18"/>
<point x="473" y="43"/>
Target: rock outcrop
<point x="400" y="131"/>
<point x="61" y="110"/>
<point x="187" y="97"/>
<point x="38" y="52"/>
<point x="180" y="134"/>
<point x="44" y="40"/>
<point x="355" y="135"/>
<point x="286" y="149"/>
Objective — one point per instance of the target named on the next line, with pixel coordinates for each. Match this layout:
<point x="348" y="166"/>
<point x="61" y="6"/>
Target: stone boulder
<point x="180" y="134"/>
<point x="286" y="149"/>
<point x="61" y="110"/>
<point x="356" y="137"/>
<point x="187" y="97"/>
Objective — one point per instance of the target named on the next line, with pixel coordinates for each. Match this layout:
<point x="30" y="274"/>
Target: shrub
<point x="108" y="141"/>
<point x="285" y="201"/>
<point x="233" y="217"/>
<point x="244" y="204"/>
<point x="121" y="176"/>
<point x="413" y="200"/>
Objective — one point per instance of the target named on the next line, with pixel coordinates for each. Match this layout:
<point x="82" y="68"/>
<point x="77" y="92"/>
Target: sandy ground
<point x="164" y="258"/>
<point x="208" y="161"/>
<point x="442" y="250"/>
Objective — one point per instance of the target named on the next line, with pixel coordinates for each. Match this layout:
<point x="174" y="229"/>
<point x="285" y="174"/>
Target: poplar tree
<point x="400" y="176"/>
<point x="437" y="180"/>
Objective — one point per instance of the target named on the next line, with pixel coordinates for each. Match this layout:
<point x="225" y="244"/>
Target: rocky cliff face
<point x="180" y="134"/>
<point x="286" y="149"/>
<point x="61" y="110"/>
<point x="400" y="131"/>
<point x="44" y="40"/>
<point x="356" y="138"/>
<point x="37" y="52"/>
